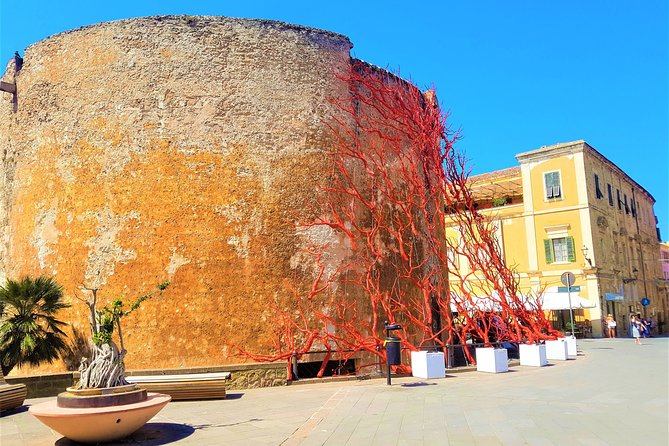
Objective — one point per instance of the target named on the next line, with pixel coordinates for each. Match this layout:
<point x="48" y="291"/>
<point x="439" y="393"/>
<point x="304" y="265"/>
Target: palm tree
<point x="29" y="331"/>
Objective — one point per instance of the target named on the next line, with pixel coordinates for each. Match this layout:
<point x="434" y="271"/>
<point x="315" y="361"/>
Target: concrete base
<point x="533" y="355"/>
<point x="492" y="360"/>
<point x="428" y="365"/>
<point x="557" y="350"/>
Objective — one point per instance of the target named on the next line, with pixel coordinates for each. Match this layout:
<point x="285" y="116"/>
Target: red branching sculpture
<point x="396" y="181"/>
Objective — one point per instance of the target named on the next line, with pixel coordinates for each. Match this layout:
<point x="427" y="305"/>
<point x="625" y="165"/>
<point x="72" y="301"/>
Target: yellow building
<point x="567" y="208"/>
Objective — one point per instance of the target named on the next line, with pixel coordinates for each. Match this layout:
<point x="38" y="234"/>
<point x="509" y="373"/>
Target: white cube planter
<point x="492" y="360"/>
<point x="556" y="350"/>
<point x="571" y="345"/>
<point x="428" y="365"/>
<point x="533" y="355"/>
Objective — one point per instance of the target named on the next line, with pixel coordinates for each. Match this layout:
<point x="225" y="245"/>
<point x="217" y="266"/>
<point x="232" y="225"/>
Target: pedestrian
<point x="611" y="325"/>
<point x="635" y="329"/>
<point x="650" y="326"/>
<point x="643" y="326"/>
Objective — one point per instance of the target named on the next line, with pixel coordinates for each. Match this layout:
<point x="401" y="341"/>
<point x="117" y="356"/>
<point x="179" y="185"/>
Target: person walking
<point x="611" y="326"/>
<point x="635" y="329"/>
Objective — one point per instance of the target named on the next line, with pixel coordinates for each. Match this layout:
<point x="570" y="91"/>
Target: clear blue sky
<point x="514" y="74"/>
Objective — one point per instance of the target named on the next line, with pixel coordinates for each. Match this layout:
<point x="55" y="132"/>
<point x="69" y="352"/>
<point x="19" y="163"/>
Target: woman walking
<point x="611" y="326"/>
<point x="635" y="329"/>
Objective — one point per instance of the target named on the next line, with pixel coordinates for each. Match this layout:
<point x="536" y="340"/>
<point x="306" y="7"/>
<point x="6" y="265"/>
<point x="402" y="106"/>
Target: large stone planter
<point x="571" y="345"/>
<point x="99" y="415"/>
<point x="492" y="360"/>
<point x="557" y="350"/>
<point x="428" y="365"/>
<point x="533" y="355"/>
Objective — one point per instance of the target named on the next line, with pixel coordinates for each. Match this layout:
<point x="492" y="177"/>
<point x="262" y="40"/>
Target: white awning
<point x="484" y="303"/>
<point x="552" y="300"/>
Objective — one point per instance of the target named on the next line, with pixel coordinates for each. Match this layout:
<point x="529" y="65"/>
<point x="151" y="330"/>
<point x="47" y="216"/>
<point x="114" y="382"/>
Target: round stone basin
<point x="99" y="424"/>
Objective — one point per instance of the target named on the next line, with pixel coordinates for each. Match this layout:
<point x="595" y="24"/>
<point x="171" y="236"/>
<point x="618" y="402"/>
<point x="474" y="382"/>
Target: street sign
<point x="645" y="301"/>
<point x="564" y="289"/>
<point x="568" y="279"/>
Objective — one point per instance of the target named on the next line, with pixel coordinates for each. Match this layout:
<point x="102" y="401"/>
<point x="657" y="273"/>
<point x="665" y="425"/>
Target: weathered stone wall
<point x="170" y="148"/>
<point x="46" y="384"/>
<point x="242" y="376"/>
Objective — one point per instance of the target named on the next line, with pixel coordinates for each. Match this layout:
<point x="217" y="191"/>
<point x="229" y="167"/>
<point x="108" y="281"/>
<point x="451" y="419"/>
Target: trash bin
<point x="393" y="350"/>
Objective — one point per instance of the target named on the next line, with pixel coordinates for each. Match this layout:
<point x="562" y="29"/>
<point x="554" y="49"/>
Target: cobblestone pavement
<point x="613" y="393"/>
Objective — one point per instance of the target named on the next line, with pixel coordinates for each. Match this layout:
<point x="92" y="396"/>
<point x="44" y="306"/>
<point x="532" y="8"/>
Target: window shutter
<point x="548" y="249"/>
<point x="571" y="254"/>
<point x="597" y="189"/>
<point x="556" y="190"/>
<point x="549" y="185"/>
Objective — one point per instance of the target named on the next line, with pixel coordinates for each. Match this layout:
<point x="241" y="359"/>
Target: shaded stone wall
<point x="170" y="148"/>
<point x="47" y="384"/>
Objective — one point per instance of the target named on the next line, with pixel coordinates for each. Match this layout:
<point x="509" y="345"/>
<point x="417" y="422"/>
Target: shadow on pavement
<point x="8" y="412"/>
<point x="207" y="426"/>
<point x="151" y="434"/>
<point x="418" y="384"/>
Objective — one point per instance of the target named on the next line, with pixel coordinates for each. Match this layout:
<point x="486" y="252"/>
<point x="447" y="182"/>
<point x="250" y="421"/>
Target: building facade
<point x="567" y="208"/>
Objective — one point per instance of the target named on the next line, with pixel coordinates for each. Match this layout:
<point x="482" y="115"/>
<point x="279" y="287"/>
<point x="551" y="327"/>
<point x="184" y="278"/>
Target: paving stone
<point x="600" y="398"/>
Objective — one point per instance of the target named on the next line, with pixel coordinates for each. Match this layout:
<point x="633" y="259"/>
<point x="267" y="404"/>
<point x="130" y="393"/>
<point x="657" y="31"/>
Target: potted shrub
<point x="103" y="406"/>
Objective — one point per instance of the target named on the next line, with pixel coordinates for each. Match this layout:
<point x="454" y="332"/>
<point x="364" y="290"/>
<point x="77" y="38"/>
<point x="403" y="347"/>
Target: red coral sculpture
<point x="396" y="181"/>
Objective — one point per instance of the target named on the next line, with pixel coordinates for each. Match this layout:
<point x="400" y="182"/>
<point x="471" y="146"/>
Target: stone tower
<point x="169" y="148"/>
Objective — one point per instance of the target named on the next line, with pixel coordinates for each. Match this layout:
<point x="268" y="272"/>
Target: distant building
<point x="567" y="208"/>
<point x="664" y="258"/>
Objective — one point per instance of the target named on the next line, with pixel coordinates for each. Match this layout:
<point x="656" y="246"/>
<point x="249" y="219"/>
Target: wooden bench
<point x="193" y="386"/>
<point x="11" y="395"/>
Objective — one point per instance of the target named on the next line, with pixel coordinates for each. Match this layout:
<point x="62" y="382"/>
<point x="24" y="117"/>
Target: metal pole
<point x="387" y="362"/>
<point x="295" y="377"/>
<point x="571" y="313"/>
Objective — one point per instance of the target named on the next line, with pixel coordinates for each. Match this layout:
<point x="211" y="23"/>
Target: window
<point x="627" y="208"/>
<point x="609" y="189"/>
<point x="633" y="207"/>
<point x="597" y="190"/>
<point x="552" y="183"/>
<point x="620" y="203"/>
<point x="559" y="249"/>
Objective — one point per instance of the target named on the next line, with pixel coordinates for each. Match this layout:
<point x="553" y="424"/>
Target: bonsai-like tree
<point x="106" y="367"/>
<point x="29" y="330"/>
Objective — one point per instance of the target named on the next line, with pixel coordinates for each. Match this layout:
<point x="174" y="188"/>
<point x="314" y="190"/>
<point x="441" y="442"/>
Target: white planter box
<point x="571" y="345"/>
<point x="492" y="360"/>
<point x="428" y="365"/>
<point x="533" y="355"/>
<point x="556" y="350"/>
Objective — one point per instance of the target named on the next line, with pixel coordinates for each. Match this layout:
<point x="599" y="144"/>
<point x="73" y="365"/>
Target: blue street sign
<point x="645" y="301"/>
<point x="563" y="289"/>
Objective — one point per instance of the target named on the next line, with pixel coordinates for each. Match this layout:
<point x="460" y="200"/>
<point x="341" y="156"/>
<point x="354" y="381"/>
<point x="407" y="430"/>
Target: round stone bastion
<point x="175" y="148"/>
